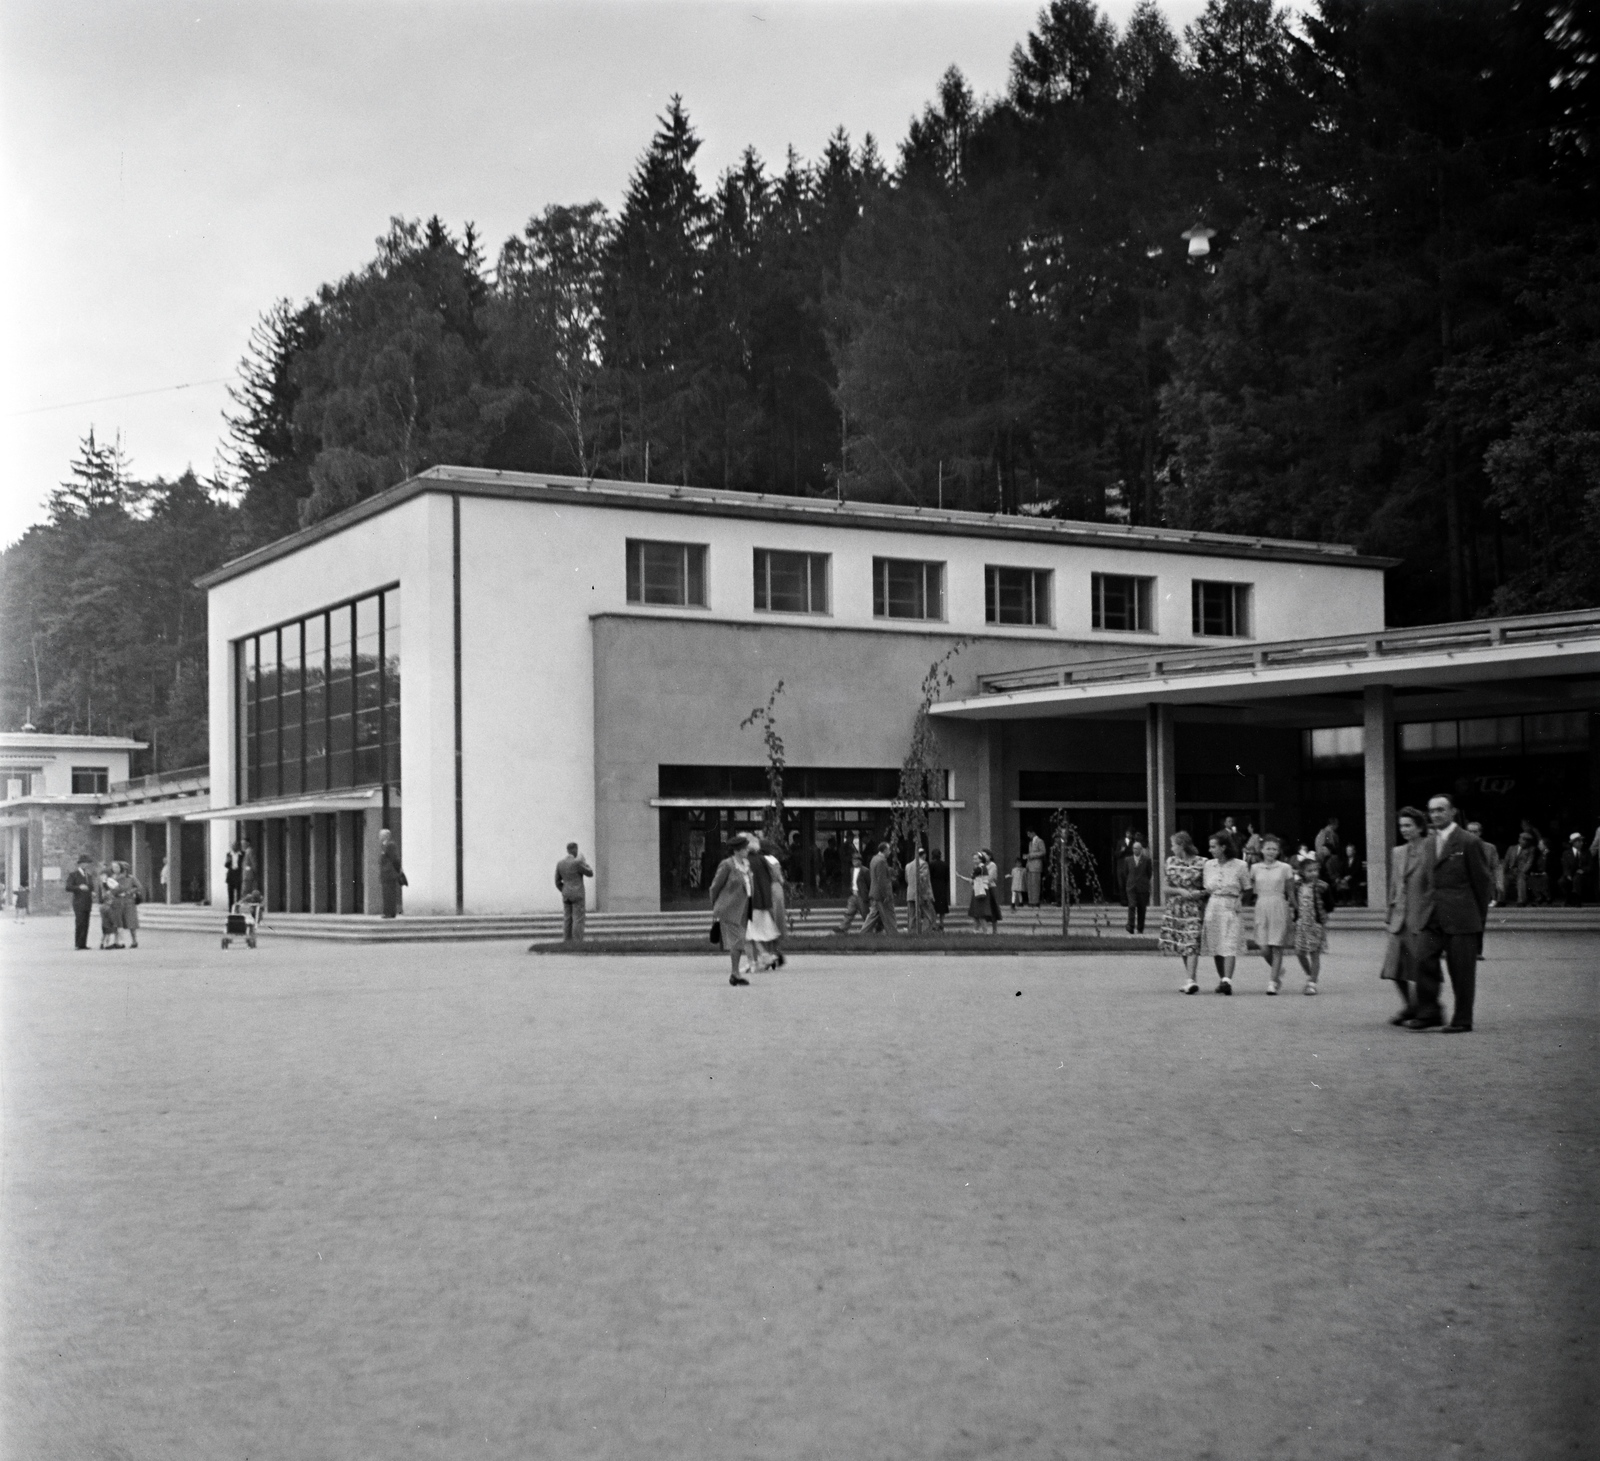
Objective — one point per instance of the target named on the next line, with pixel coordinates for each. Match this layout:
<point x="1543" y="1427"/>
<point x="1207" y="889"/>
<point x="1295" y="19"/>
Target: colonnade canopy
<point x="1535" y="658"/>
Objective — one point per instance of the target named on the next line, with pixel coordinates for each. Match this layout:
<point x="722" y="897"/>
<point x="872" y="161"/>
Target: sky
<point x="169" y="170"/>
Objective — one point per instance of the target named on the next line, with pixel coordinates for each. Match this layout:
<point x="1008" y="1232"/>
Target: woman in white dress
<point x="1273" y="881"/>
<point x="1226" y="878"/>
<point x="767" y="922"/>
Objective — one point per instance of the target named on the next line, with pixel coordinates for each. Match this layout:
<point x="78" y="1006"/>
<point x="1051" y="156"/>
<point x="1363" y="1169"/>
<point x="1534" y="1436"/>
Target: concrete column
<point x="319" y="864"/>
<point x="174" y="830"/>
<point x="13" y="859"/>
<point x="1378" y="761"/>
<point x="1161" y="788"/>
<point x="371" y="885"/>
<point x="344" y="861"/>
<point x="108" y="844"/>
<point x="139" y="857"/>
<point x="990" y="831"/>
<point x="295" y="862"/>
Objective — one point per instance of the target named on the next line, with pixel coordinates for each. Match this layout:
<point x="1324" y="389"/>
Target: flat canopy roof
<point x="1537" y="646"/>
<point x="768" y="506"/>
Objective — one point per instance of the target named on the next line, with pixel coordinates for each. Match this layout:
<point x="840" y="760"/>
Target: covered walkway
<point x="1521" y="687"/>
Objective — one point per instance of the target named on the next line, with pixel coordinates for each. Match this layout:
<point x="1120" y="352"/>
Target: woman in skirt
<point x="1274" y="883"/>
<point x="1311" y="922"/>
<point x="1226" y="879"/>
<point x="1185" y="898"/>
<point x="984" y="909"/>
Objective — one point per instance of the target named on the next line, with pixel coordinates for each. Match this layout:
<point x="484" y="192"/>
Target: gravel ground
<point x="423" y="1201"/>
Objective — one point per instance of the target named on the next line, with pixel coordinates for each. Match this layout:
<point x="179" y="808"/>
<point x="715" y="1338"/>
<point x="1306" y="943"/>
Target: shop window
<point x="1334" y="747"/>
<point x="1122" y="603"/>
<point x="90" y="780"/>
<point x="1016" y="595"/>
<point x="903" y="588"/>
<point x="791" y="583"/>
<point x="666" y="573"/>
<point x="1221" y="610"/>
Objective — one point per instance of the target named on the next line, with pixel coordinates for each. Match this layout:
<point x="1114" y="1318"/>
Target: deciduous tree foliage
<point x="1390" y="339"/>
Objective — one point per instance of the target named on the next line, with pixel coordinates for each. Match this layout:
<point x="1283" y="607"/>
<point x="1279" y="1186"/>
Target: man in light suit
<point x="1457" y="889"/>
<point x="1407" y="913"/>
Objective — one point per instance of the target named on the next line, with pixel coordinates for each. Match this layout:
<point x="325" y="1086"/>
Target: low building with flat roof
<point x="494" y="664"/>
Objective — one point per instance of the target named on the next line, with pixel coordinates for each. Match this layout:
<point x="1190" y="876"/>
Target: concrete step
<point x="692" y="923"/>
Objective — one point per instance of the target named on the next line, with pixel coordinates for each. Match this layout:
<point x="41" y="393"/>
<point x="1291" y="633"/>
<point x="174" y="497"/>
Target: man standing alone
<point x="1137" y="875"/>
<point x="390" y="878"/>
<point x="1457" y="889"/>
<point x="570" y="873"/>
<point x="1036" y="851"/>
<point x="80" y="887"/>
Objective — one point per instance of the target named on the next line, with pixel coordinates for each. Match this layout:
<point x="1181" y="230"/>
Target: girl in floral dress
<point x="1275" y="885"/>
<point x="1311" y="920"/>
<point x="1185" y="897"/>
<point x="1226" y="878"/>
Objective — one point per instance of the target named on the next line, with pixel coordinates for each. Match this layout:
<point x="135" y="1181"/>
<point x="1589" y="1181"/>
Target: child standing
<point x="1311" y="920"/>
<point x="1019" y="883"/>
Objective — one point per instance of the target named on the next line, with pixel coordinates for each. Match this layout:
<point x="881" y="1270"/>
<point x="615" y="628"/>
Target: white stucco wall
<point x="533" y="574"/>
<point x="409" y="545"/>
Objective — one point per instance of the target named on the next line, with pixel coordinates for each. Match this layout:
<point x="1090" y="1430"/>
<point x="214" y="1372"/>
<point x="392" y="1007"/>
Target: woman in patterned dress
<point x="1311" y="918"/>
<point x="1226" y="877"/>
<point x="1274" y="882"/>
<point x="1185" y="897"/>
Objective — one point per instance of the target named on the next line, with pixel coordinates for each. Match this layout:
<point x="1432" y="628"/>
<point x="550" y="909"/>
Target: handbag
<point x="716" y="932"/>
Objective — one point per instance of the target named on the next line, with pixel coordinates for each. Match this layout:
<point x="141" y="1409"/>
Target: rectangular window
<point x="319" y="701"/>
<point x="1222" y="610"/>
<point x="267" y="734"/>
<point x="90" y="780"/>
<point x="290" y="735"/>
<point x="1122" y="603"/>
<point x="666" y="573"/>
<point x="316" y="703"/>
<point x="905" y="589"/>
<point x="1016" y="595"/>
<point x="791" y="583"/>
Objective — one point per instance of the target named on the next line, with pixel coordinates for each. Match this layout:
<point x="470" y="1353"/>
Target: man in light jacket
<point x="570" y="873"/>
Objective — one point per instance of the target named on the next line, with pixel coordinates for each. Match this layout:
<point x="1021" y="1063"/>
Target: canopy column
<point x="1161" y="787"/>
<point x="1378" y="762"/>
<point x="174" y="833"/>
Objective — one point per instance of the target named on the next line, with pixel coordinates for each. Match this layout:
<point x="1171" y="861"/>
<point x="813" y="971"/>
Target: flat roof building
<point x="495" y="664"/>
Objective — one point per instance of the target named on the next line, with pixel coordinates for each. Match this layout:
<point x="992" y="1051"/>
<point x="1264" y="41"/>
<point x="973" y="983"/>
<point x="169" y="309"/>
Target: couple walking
<point x="872" y="894"/>
<point x="747" y="902"/>
<point x="1440" y="889"/>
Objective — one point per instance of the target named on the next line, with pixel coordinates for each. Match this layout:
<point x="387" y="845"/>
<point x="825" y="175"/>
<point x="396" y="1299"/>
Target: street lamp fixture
<point x="1199" y="238"/>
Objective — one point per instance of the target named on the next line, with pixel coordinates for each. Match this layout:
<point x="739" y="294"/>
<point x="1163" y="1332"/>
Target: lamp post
<point x="1199" y="238"/>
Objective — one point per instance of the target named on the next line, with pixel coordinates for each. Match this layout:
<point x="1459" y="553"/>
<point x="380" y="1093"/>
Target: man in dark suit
<point x="1457" y="887"/>
<point x="880" y="894"/>
<point x="1136" y="873"/>
<point x="80" y="888"/>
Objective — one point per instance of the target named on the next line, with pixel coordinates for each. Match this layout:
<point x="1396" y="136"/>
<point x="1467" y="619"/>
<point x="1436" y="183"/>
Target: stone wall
<point x="58" y="835"/>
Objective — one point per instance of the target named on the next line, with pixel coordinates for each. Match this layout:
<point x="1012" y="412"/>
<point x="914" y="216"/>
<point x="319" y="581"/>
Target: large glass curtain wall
<point x="319" y="701"/>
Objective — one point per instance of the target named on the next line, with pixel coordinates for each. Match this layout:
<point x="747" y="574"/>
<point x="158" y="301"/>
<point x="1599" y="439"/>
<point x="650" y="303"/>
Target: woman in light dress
<point x="1226" y="878"/>
<point x="1184" y="899"/>
<point x="1273" y="880"/>
<point x="767" y="920"/>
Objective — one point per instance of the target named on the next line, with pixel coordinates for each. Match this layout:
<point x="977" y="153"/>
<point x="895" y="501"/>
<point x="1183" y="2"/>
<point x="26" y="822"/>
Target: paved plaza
<point x="320" y="1201"/>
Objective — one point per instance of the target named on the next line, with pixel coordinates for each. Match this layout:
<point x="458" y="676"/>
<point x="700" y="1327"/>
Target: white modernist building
<point x="496" y="664"/>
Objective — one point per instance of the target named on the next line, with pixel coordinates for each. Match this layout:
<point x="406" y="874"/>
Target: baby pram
<point x="243" y="919"/>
